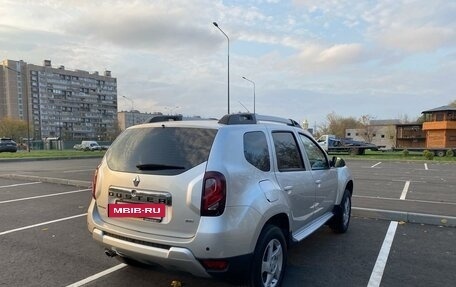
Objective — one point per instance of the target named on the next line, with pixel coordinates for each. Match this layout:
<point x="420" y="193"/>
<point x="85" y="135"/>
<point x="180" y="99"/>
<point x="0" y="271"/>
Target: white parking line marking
<point x="98" y="275"/>
<point x="20" y="184"/>
<point x="376" y="164"/>
<point x="379" y="268"/>
<point x="46" y="195"/>
<point x="405" y="190"/>
<point x="426" y="166"/>
<point x="40" y="224"/>
<point x="410" y="200"/>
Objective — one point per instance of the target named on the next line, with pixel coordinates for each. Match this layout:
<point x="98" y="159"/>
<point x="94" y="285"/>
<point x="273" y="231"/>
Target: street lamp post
<point x="27" y="106"/>
<point x="132" y="108"/>
<point x="216" y="25"/>
<point x="253" y="92"/>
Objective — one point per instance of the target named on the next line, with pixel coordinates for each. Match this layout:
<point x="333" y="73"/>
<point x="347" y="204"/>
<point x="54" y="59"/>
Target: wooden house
<point x="440" y="127"/>
<point x="410" y="136"/>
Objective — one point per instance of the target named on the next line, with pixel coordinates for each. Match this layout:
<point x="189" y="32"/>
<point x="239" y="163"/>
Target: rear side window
<point x="160" y="150"/>
<point x="287" y="152"/>
<point x="256" y="150"/>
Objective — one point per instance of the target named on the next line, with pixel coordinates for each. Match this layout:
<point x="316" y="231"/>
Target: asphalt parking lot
<point x="45" y="242"/>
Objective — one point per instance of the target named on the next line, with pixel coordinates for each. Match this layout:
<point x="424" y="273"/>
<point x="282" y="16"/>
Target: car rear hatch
<point x="156" y="164"/>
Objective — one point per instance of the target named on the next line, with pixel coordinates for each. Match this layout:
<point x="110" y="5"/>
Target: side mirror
<point x="337" y="162"/>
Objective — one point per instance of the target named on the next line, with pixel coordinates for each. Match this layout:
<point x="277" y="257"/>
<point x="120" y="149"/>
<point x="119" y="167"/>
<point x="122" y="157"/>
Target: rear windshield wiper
<point x="153" y="166"/>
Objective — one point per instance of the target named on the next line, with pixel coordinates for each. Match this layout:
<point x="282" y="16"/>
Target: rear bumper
<point x="175" y="257"/>
<point x="8" y="149"/>
<point x="175" y="254"/>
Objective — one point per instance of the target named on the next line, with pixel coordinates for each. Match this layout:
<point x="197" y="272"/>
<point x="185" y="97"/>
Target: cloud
<point x="412" y="26"/>
<point x="403" y="26"/>
<point x="323" y="59"/>
<point x="417" y="39"/>
<point x="303" y="55"/>
<point x="147" y="27"/>
<point x="340" y="54"/>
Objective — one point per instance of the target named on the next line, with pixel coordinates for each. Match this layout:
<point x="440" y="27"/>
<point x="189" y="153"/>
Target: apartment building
<point x="56" y="102"/>
<point x="130" y="118"/>
<point x="134" y="117"/>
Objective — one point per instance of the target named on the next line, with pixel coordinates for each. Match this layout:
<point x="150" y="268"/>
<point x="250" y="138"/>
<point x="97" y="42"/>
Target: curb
<point x="411" y="217"/>
<point x="76" y="183"/>
<point x="47" y="158"/>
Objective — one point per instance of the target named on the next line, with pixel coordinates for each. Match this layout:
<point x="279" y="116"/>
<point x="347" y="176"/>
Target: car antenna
<point x="244" y="107"/>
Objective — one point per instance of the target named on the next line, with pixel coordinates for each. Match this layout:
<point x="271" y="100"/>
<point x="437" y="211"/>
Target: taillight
<point x="214" y="194"/>
<point x="94" y="183"/>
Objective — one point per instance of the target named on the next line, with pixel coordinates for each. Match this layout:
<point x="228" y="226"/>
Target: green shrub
<point x="450" y="153"/>
<point x="429" y="155"/>
<point x="405" y="152"/>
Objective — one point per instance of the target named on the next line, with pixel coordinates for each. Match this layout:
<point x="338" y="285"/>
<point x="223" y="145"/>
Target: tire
<point x="342" y="214"/>
<point x="440" y="153"/>
<point x="269" y="259"/>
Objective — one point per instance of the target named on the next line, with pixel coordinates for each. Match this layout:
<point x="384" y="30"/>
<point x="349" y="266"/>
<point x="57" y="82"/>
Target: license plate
<point x="142" y="210"/>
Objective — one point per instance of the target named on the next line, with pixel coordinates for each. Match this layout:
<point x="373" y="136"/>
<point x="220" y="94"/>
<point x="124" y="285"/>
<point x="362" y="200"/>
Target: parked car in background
<point x="105" y="147"/>
<point x="7" y="145"/>
<point x="88" y="146"/>
<point x="220" y="199"/>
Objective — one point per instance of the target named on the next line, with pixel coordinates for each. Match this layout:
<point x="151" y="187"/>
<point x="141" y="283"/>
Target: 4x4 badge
<point x="136" y="181"/>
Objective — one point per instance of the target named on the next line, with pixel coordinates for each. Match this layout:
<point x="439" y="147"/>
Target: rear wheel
<point x="342" y="213"/>
<point x="270" y="258"/>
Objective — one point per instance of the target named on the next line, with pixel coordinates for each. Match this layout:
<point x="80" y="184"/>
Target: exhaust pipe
<point x="110" y="253"/>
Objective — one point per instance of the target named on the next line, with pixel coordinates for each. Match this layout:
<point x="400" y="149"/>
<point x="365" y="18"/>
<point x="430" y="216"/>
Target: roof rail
<point x="164" y="118"/>
<point x="248" y="118"/>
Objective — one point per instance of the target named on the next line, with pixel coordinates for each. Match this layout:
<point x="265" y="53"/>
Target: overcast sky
<point x="308" y="58"/>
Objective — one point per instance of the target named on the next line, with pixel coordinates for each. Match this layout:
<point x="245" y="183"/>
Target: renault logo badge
<point x="136" y="181"/>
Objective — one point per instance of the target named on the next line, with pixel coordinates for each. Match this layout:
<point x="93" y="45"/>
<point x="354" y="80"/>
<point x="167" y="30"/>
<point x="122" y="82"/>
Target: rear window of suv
<point x="160" y="150"/>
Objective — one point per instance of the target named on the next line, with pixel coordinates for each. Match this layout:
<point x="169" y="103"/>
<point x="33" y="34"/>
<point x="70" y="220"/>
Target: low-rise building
<point x="382" y="133"/>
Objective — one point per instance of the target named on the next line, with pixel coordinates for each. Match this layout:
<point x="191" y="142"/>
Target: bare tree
<point x="367" y="130"/>
<point x="336" y="125"/>
<point x="114" y="131"/>
<point x="404" y="118"/>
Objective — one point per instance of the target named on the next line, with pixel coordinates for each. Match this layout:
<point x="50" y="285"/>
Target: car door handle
<point x="318" y="181"/>
<point x="288" y="188"/>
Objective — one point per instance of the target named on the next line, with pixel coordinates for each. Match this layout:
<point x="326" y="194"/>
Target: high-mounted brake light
<point x="213" y="198"/>
<point x="94" y="183"/>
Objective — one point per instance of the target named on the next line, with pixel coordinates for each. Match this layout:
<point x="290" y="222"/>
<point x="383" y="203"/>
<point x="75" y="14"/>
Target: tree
<point x="453" y="104"/>
<point x="367" y="130"/>
<point x="113" y="131"/>
<point x="336" y="125"/>
<point x="13" y="128"/>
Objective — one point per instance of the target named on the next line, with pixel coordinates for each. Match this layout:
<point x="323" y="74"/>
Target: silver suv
<point x="231" y="196"/>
